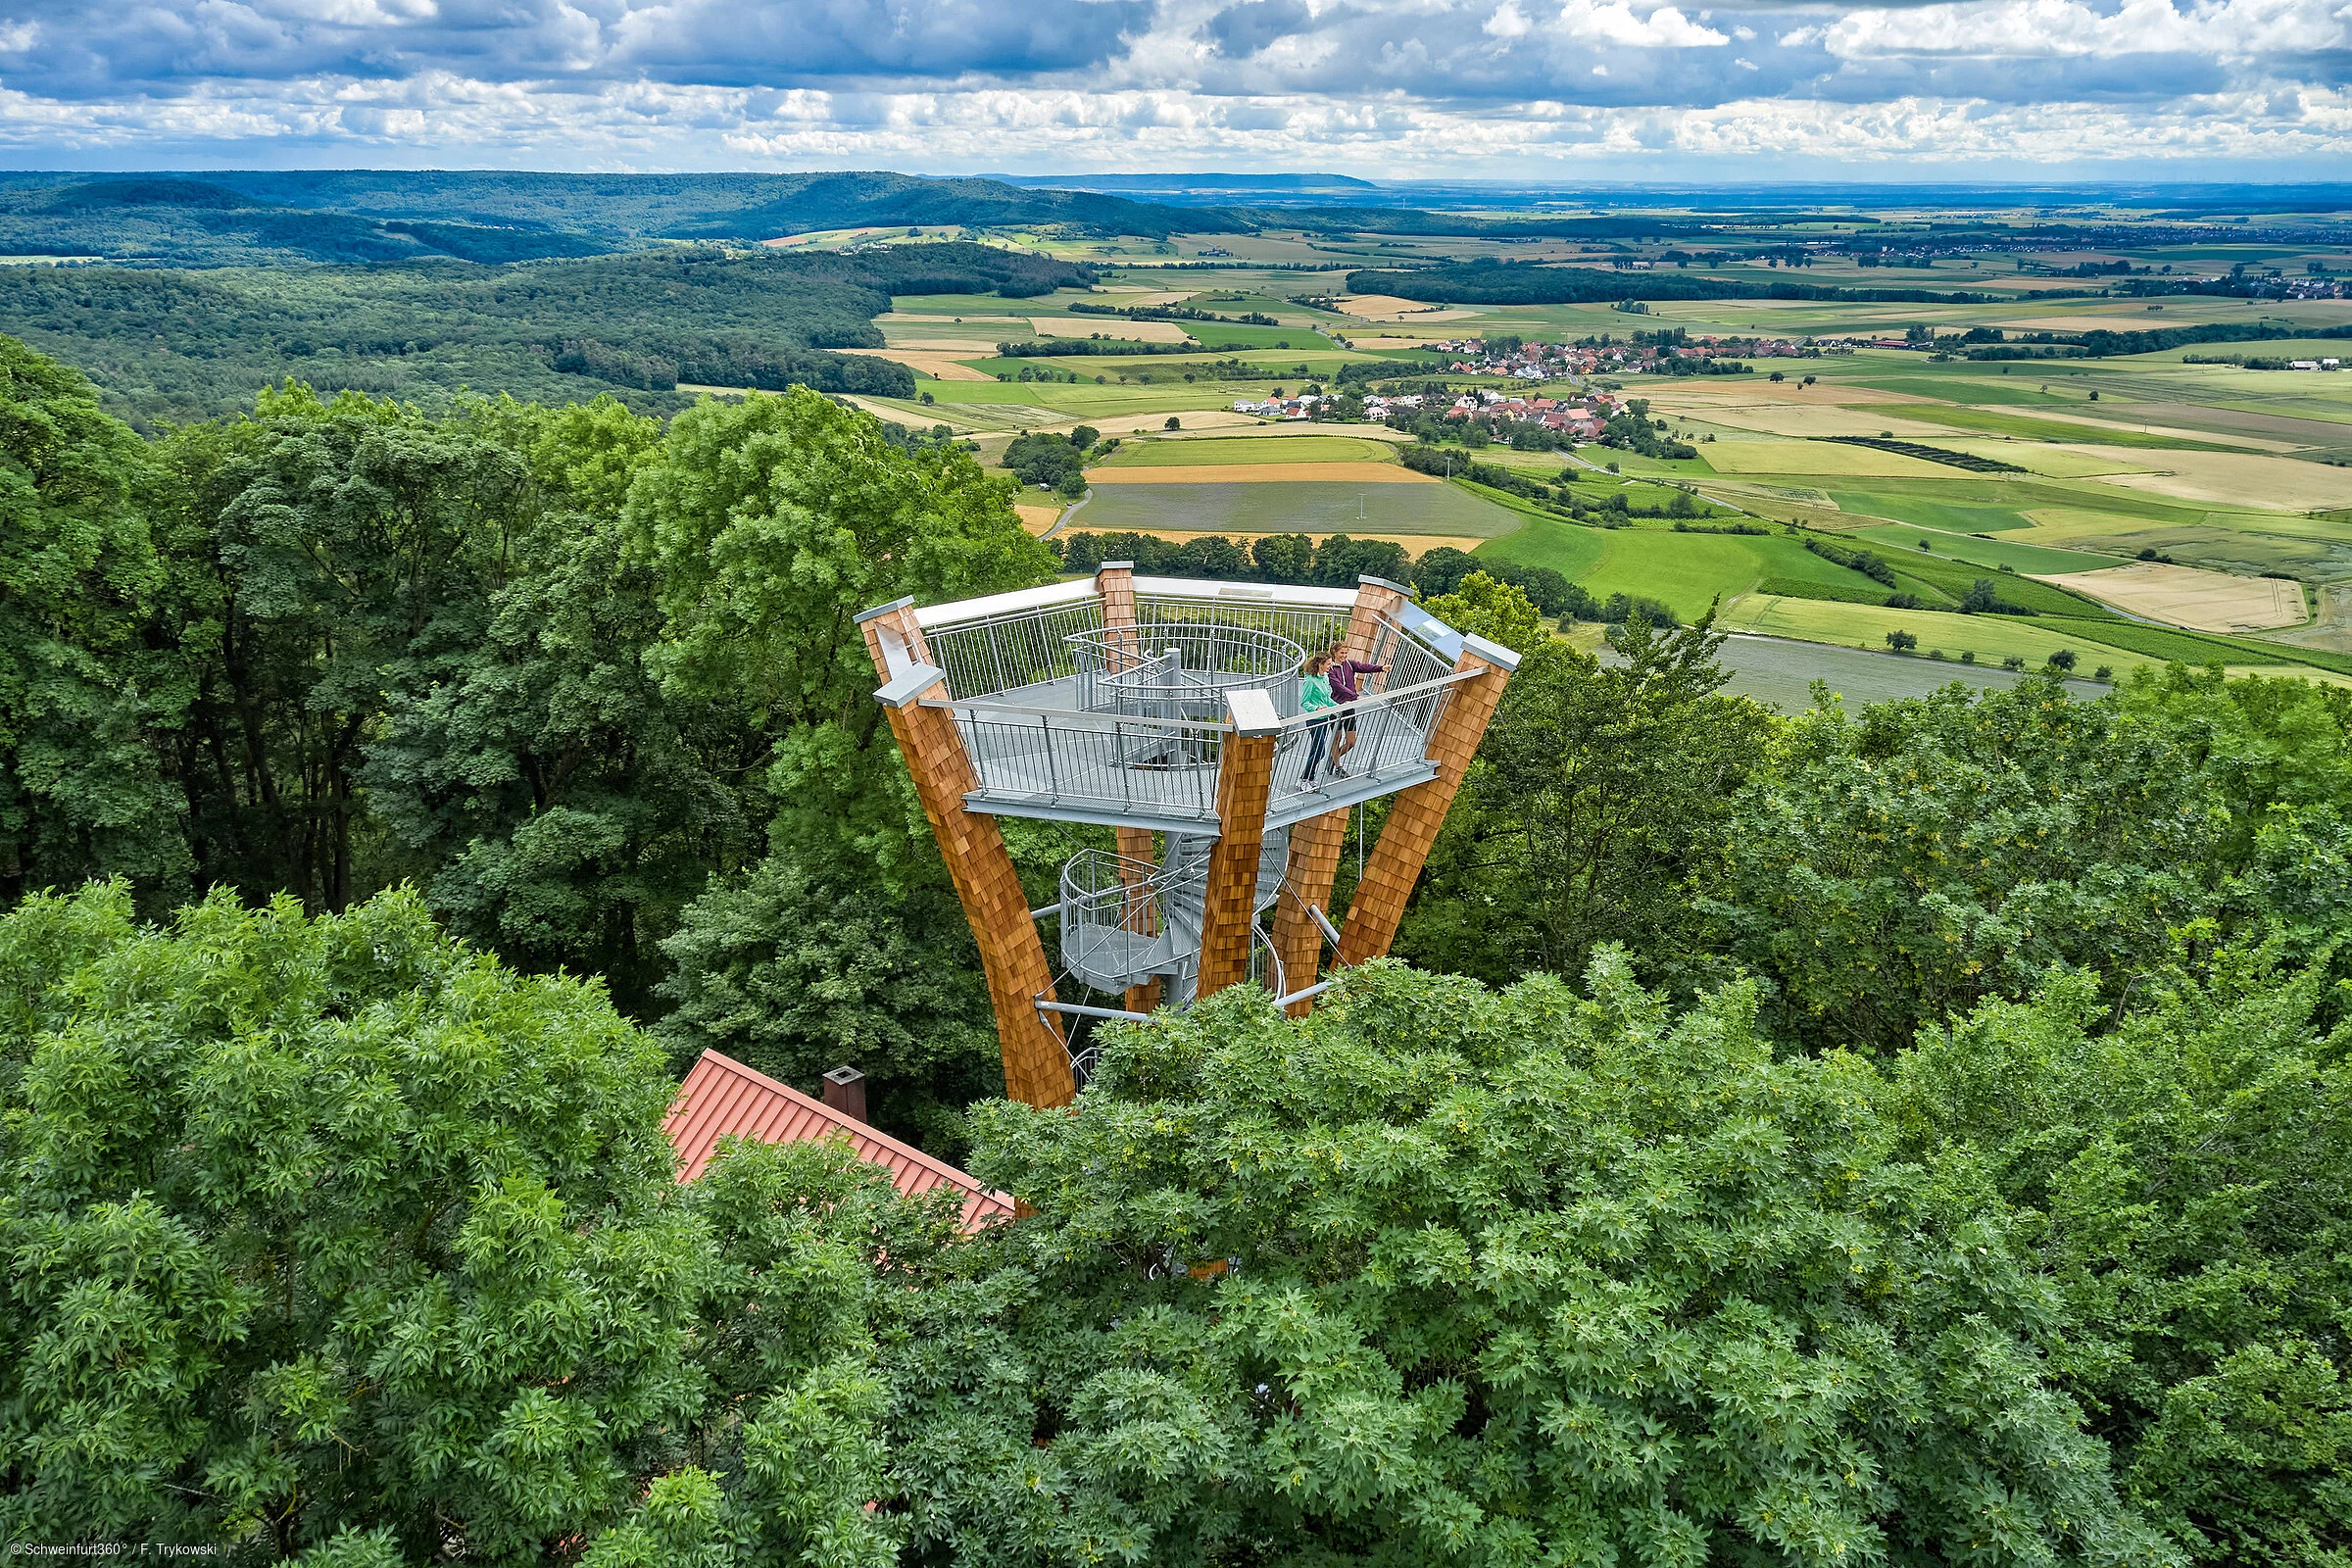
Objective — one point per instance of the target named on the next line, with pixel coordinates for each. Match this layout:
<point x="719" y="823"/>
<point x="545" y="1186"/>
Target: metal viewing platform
<point x="1168" y="708"/>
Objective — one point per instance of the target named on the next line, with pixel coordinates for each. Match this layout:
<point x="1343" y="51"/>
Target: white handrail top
<point x="1114" y="722"/>
<point x="1247" y="593"/>
<point x="958" y="610"/>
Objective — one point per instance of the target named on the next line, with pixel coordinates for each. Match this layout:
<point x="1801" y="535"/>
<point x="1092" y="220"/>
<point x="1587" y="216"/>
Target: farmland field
<point x="1818" y="457"/>
<point x="1989" y="637"/>
<point x="1254" y="473"/>
<point x="2182" y="595"/>
<point x="1252" y="449"/>
<point x="1775" y="670"/>
<point x="1992" y="552"/>
<point x="1685" y="571"/>
<point x="1293" y="505"/>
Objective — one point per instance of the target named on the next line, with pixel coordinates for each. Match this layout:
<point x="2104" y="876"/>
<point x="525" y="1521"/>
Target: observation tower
<point x="1167" y="710"/>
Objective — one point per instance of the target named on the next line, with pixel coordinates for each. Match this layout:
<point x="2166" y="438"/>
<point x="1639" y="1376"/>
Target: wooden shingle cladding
<point x="1411" y="830"/>
<point x="721" y="1098"/>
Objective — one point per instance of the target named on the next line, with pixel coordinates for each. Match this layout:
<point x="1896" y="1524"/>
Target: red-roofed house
<point x="721" y="1098"/>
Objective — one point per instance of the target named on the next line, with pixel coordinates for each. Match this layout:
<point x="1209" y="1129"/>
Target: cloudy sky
<point x="1582" y="90"/>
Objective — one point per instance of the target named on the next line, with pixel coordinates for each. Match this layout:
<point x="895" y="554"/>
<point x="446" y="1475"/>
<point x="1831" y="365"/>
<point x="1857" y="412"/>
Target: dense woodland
<point x="184" y="346"/>
<point x="1916" y="1135"/>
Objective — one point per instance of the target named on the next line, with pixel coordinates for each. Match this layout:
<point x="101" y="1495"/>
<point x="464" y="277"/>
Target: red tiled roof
<point x="721" y="1098"/>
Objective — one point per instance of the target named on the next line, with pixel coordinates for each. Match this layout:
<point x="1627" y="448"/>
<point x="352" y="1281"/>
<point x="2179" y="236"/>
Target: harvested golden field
<point x="1818" y="457"/>
<point x="1118" y="327"/>
<point x="1391" y="307"/>
<point x="1829" y="418"/>
<point x="2236" y="479"/>
<point x="1254" y="473"/>
<point x="2053" y="462"/>
<point x="933" y="362"/>
<point x="2183" y="595"/>
<point x="1037" y="517"/>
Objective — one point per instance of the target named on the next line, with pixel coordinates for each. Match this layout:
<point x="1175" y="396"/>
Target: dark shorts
<point x="1345" y="723"/>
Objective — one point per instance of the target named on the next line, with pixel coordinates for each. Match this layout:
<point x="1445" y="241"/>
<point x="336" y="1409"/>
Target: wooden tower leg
<point x="1314" y="867"/>
<point x="1378" y="906"/>
<point x="1037" y="1058"/>
<point x="1244" y="786"/>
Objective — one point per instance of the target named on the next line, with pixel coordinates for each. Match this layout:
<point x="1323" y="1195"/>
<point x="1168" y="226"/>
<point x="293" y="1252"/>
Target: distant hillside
<point x="157" y="219"/>
<point x="373" y="216"/>
<point x="171" y="344"/>
<point x="273" y="217"/>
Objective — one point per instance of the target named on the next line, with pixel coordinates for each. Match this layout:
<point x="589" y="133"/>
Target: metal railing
<point x="1183" y="670"/>
<point x="1312" y="627"/>
<point x="1124" y="920"/>
<point x="1410" y="662"/>
<point x="1009" y="653"/>
<point x="1046" y="757"/>
<point x="1392" y="731"/>
<point x="1051" y="759"/>
<point x="1120" y="918"/>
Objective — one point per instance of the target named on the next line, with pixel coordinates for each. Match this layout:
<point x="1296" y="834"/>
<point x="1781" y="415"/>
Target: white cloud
<point x="1507" y="22"/>
<point x="1609" y="89"/>
<point x="2014" y="29"/>
<point x="1615" y="23"/>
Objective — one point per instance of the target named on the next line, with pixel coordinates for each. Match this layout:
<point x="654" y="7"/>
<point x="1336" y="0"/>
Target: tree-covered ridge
<point x="186" y="346"/>
<point x="266" y="216"/>
<point x="251" y="217"/>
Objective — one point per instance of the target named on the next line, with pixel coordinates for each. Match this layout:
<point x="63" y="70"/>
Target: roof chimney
<point x="845" y="1092"/>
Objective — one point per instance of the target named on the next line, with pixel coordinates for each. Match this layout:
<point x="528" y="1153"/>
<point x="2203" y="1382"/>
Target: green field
<point x="1990" y="638"/>
<point x="1215" y="335"/>
<point x="1992" y="552"/>
<point x="1284" y="505"/>
<point x="1227" y="449"/>
<point x="1775" y="670"/>
<point x="1953" y="517"/>
<point x="1685" y="571"/>
<point x="1779" y="459"/>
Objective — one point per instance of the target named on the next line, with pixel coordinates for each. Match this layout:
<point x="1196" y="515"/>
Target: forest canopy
<point x="1909" y="1135"/>
<point x="185" y="346"/>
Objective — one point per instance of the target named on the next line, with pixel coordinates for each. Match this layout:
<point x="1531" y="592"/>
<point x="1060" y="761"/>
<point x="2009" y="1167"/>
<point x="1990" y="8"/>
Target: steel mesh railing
<point x="1114" y="924"/>
<point x="1314" y="627"/>
<point x="1009" y="653"/>
<point x="1130" y="767"/>
<point x="1183" y="670"/>
<point x="1410" y="662"/>
<point x="1059" y="713"/>
<point x="1392" y="743"/>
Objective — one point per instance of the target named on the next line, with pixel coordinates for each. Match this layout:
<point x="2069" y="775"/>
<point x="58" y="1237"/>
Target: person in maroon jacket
<point x="1343" y="675"/>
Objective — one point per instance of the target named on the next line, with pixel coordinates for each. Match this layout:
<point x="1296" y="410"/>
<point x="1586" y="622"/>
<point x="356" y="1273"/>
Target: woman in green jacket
<point x="1314" y="695"/>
